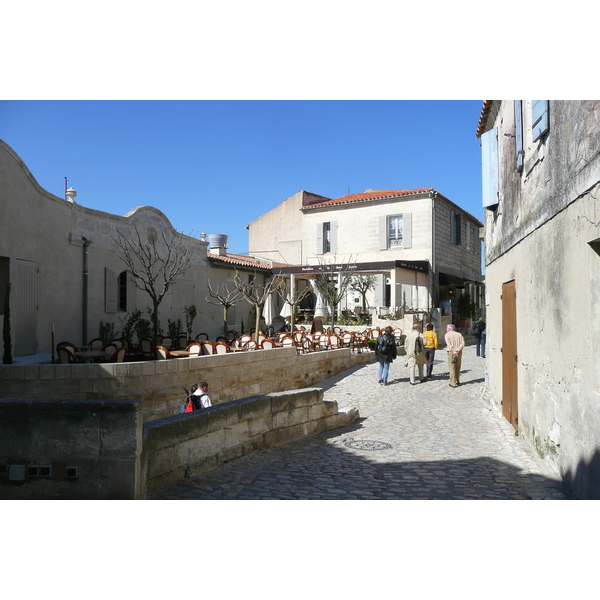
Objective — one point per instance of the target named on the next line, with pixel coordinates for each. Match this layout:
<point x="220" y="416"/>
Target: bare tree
<point x="225" y="298"/>
<point x="362" y="284"/>
<point x="332" y="280"/>
<point x="257" y="294"/>
<point x="293" y="299"/>
<point x="154" y="263"/>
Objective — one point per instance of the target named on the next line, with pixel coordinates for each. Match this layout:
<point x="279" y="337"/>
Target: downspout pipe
<point x="84" y="329"/>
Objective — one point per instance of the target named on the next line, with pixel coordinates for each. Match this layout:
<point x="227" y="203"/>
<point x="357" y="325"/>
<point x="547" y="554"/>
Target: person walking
<point x="431" y="345"/>
<point x="454" y="346"/>
<point x="414" y="344"/>
<point x="479" y="333"/>
<point x="385" y="353"/>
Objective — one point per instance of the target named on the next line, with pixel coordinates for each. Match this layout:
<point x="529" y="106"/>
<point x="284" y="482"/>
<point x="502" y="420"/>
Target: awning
<point x="446" y="279"/>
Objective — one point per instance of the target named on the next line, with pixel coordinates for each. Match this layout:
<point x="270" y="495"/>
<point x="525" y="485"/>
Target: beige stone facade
<point x="46" y="243"/>
<point x="438" y="237"/>
<point x="542" y="236"/>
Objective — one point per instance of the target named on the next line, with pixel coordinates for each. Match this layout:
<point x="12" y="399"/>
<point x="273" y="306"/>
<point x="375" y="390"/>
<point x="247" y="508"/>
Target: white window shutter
<point x="519" y="134"/>
<point x="111" y="291"/>
<point x="539" y="119"/>
<point x="383" y="233"/>
<point x="407" y="230"/>
<point x="334" y="237"/>
<point x="319" y="238"/>
<point x="489" y="166"/>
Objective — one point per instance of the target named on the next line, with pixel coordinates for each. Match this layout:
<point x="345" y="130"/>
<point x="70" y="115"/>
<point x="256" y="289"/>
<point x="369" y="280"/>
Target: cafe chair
<point x="195" y="349"/>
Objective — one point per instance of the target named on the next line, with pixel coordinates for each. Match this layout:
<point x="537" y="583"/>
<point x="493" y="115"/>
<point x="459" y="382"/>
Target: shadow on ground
<point x="351" y="469"/>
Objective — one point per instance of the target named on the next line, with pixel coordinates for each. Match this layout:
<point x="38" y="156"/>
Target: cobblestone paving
<point x="427" y="441"/>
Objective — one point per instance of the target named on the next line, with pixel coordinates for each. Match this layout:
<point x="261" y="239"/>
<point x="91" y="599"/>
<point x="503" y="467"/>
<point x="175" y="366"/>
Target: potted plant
<point x="465" y="308"/>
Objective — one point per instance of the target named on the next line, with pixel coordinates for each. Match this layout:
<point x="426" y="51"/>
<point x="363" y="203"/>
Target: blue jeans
<point x="384" y="369"/>
<point x="480" y="345"/>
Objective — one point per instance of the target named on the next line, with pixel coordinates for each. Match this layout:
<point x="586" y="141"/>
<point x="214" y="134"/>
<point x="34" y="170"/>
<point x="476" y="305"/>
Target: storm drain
<point x="368" y="445"/>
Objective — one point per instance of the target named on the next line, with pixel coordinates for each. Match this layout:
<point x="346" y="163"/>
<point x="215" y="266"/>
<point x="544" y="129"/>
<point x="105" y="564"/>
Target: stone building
<point x="422" y="248"/>
<point x="63" y="263"/>
<point x="541" y="182"/>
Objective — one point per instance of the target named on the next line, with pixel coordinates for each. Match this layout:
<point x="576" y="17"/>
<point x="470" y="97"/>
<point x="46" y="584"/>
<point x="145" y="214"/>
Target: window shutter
<point x="458" y="229"/>
<point x="539" y="119"/>
<point x="319" y="238"/>
<point x="111" y="291"/>
<point x="452" y="227"/>
<point x="519" y="135"/>
<point x="407" y="230"/>
<point x="383" y="233"/>
<point x="489" y="165"/>
<point x="378" y="290"/>
<point x="333" y="237"/>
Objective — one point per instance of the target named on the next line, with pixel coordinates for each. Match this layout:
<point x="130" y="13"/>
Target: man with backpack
<point x="198" y="399"/>
<point x="385" y="353"/>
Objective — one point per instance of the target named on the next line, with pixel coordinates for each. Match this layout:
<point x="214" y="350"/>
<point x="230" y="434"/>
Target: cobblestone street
<point x="427" y="441"/>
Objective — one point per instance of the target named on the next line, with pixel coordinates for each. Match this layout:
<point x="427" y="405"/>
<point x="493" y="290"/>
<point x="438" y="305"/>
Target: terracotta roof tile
<point x="368" y="196"/>
<point x="485" y="111"/>
<point x="240" y="260"/>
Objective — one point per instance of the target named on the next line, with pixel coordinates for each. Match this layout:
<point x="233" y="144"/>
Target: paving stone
<point x="427" y="441"/>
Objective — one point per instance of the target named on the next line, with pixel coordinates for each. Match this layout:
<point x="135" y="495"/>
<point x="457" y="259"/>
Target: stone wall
<point x="99" y="449"/>
<point x="64" y="449"/>
<point x="188" y="445"/>
<point x="159" y="384"/>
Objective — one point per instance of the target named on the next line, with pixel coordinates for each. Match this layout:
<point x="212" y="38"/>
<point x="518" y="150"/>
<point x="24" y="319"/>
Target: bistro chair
<point x="221" y="348"/>
<point x="96" y="344"/>
<point x="163" y="353"/>
<point x="207" y="347"/>
<point x="146" y="348"/>
<point x="182" y="341"/>
<point x="201" y="336"/>
<point x="66" y="356"/>
<point x="195" y="349"/>
<point x="118" y="356"/>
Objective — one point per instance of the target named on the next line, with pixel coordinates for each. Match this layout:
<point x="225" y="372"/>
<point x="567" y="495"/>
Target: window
<point x="539" y="119"/>
<point x="327" y="237"/>
<point x="123" y="292"/>
<point x="468" y="235"/>
<point x="395" y="231"/>
<point x="455" y="228"/>
<point x="519" y="134"/>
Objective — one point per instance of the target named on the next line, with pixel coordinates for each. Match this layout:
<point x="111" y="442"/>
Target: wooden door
<point x="510" y="402"/>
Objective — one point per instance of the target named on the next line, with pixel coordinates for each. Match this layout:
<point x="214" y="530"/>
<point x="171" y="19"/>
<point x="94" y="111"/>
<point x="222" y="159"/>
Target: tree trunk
<point x="155" y="329"/>
<point x="225" y="311"/>
<point x="258" y="315"/>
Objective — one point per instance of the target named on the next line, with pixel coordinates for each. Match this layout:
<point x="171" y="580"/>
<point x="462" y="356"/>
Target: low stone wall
<point x="100" y="449"/>
<point x="188" y="445"/>
<point x="66" y="449"/>
<point x="159" y="384"/>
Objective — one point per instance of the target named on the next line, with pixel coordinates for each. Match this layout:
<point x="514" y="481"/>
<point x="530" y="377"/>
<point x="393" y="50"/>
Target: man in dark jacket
<point x="479" y="332"/>
<point x="385" y="353"/>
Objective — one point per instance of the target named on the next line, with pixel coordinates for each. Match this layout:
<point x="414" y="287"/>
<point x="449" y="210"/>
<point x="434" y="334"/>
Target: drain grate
<point x="367" y="445"/>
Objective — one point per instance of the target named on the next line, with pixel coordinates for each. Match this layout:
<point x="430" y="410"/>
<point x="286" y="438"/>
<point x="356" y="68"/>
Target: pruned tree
<point x="224" y="297"/>
<point x="331" y="281"/>
<point x="293" y="298"/>
<point x="362" y="284"/>
<point x="154" y="263"/>
<point x="257" y="294"/>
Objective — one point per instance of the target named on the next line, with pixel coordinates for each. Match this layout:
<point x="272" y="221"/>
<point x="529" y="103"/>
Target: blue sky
<point x="215" y="166"/>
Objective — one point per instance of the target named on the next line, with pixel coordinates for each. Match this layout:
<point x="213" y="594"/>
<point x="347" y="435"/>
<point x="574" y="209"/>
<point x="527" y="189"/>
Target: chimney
<point x="217" y="244"/>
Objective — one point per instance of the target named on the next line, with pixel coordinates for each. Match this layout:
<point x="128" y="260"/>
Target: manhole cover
<point x="367" y="445"/>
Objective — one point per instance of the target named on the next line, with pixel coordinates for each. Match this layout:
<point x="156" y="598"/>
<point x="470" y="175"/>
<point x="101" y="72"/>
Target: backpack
<point x="192" y="403"/>
<point x="384" y="345"/>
